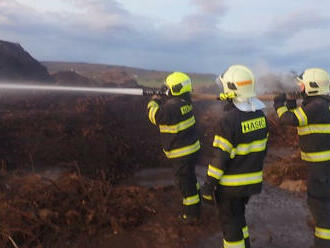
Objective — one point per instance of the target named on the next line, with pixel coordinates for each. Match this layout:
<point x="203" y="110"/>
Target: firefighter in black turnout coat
<point x="174" y="117"/>
<point x="235" y="171"/>
<point x="312" y="120"/>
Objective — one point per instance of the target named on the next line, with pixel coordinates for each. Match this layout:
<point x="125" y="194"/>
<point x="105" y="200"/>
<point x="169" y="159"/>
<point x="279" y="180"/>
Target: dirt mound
<point x="71" y="78"/>
<point x="289" y="172"/>
<point x="17" y="64"/>
<point x="120" y="77"/>
<point x="40" y="212"/>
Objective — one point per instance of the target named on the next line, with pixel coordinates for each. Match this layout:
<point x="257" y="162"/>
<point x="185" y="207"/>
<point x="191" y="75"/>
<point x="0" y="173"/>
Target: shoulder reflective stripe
<point x="214" y="172"/>
<point x="177" y="127"/>
<point x="314" y="128"/>
<point x="183" y="151"/>
<point x="222" y="143"/>
<point x="191" y="200"/>
<point x="315" y="156"/>
<point x="237" y="244"/>
<point x="280" y="111"/>
<point x="152" y="104"/>
<point x="255" y="146"/>
<point x="241" y="179"/>
<point x="301" y="116"/>
<point x="152" y="114"/>
<point x="322" y="233"/>
<point x="245" y="231"/>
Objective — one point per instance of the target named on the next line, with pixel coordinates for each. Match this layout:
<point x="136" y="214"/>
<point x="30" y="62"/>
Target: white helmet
<point x="316" y="81"/>
<point x="238" y="79"/>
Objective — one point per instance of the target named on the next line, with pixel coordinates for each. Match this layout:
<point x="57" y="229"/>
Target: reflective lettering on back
<point x="253" y="125"/>
<point x="185" y="109"/>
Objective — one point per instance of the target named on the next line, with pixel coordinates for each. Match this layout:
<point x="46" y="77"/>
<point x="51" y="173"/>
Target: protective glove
<point x="226" y="96"/>
<point x="207" y="193"/>
<point x="279" y="100"/>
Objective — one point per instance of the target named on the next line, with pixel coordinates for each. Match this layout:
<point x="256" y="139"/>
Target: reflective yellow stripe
<point x="237" y="244"/>
<point x="315" y="156"/>
<point x="198" y="186"/>
<point x="301" y="116"/>
<point x="222" y="143"/>
<point x="322" y="233"/>
<point x="207" y="197"/>
<point x="241" y="179"/>
<point x="152" y="115"/>
<point x="191" y="200"/>
<point x="177" y="127"/>
<point x="280" y="111"/>
<point x="255" y="146"/>
<point x="214" y="172"/>
<point x="314" y="128"/>
<point x="183" y="151"/>
<point x="245" y="231"/>
<point x="152" y="104"/>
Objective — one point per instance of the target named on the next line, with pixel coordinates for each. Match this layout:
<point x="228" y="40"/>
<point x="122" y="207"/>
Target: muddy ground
<point x="88" y="171"/>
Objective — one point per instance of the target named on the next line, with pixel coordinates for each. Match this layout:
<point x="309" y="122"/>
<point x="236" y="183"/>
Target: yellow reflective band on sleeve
<point x="280" y="111"/>
<point x="315" y="156"/>
<point x="301" y="116"/>
<point x="245" y="149"/>
<point x="222" y="143"/>
<point x="322" y="233"/>
<point x="152" y="114"/>
<point x="237" y="244"/>
<point x="241" y="179"/>
<point x="191" y="200"/>
<point x="152" y="104"/>
<point x="177" y="127"/>
<point x="180" y="152"/>
<point x="314" y="128"/>
<point x="214" y="172"/>
<point x="245" y="231"/>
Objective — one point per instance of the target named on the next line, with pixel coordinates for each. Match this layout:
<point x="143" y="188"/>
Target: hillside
<point x="17" y="64"/>
<point x="99" y="72"/>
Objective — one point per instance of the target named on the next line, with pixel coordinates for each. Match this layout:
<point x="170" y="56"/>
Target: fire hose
<point x="145" y="91"/>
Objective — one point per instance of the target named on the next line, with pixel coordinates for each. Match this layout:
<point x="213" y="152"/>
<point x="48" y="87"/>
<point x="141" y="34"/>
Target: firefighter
<point x="312" y="120"/>
<point x="240" y="141"/>
<point x="174" y="117"/>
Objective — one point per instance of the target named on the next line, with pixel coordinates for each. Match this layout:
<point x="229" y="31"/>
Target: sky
<point x="183" y="35"/>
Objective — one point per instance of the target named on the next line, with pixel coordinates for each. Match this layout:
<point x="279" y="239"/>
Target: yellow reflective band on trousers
<point x="301" y="116"/>
<point x="241" y="179"/>
<point x="315" y="156"/>
<point x="222" y="143"/>
<point x="314" y="128"/>
<point x="237" y="244"/>
<point x="322" y="233"/>
<point x="280" y="111"/>
<point x="184" y="151"/>
<point x="198" y="186"/>
<point x="191" y="200"/>
<point x="245" y="231"/>
<point x="177" y="127"/>
<point x="214" y="172"/>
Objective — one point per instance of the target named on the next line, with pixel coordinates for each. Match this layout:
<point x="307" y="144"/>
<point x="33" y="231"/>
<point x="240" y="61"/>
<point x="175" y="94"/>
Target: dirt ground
<point x="71" y="175"/>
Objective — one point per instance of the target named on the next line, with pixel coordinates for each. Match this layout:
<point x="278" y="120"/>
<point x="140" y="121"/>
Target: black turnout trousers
<point x="232" y="217"/>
